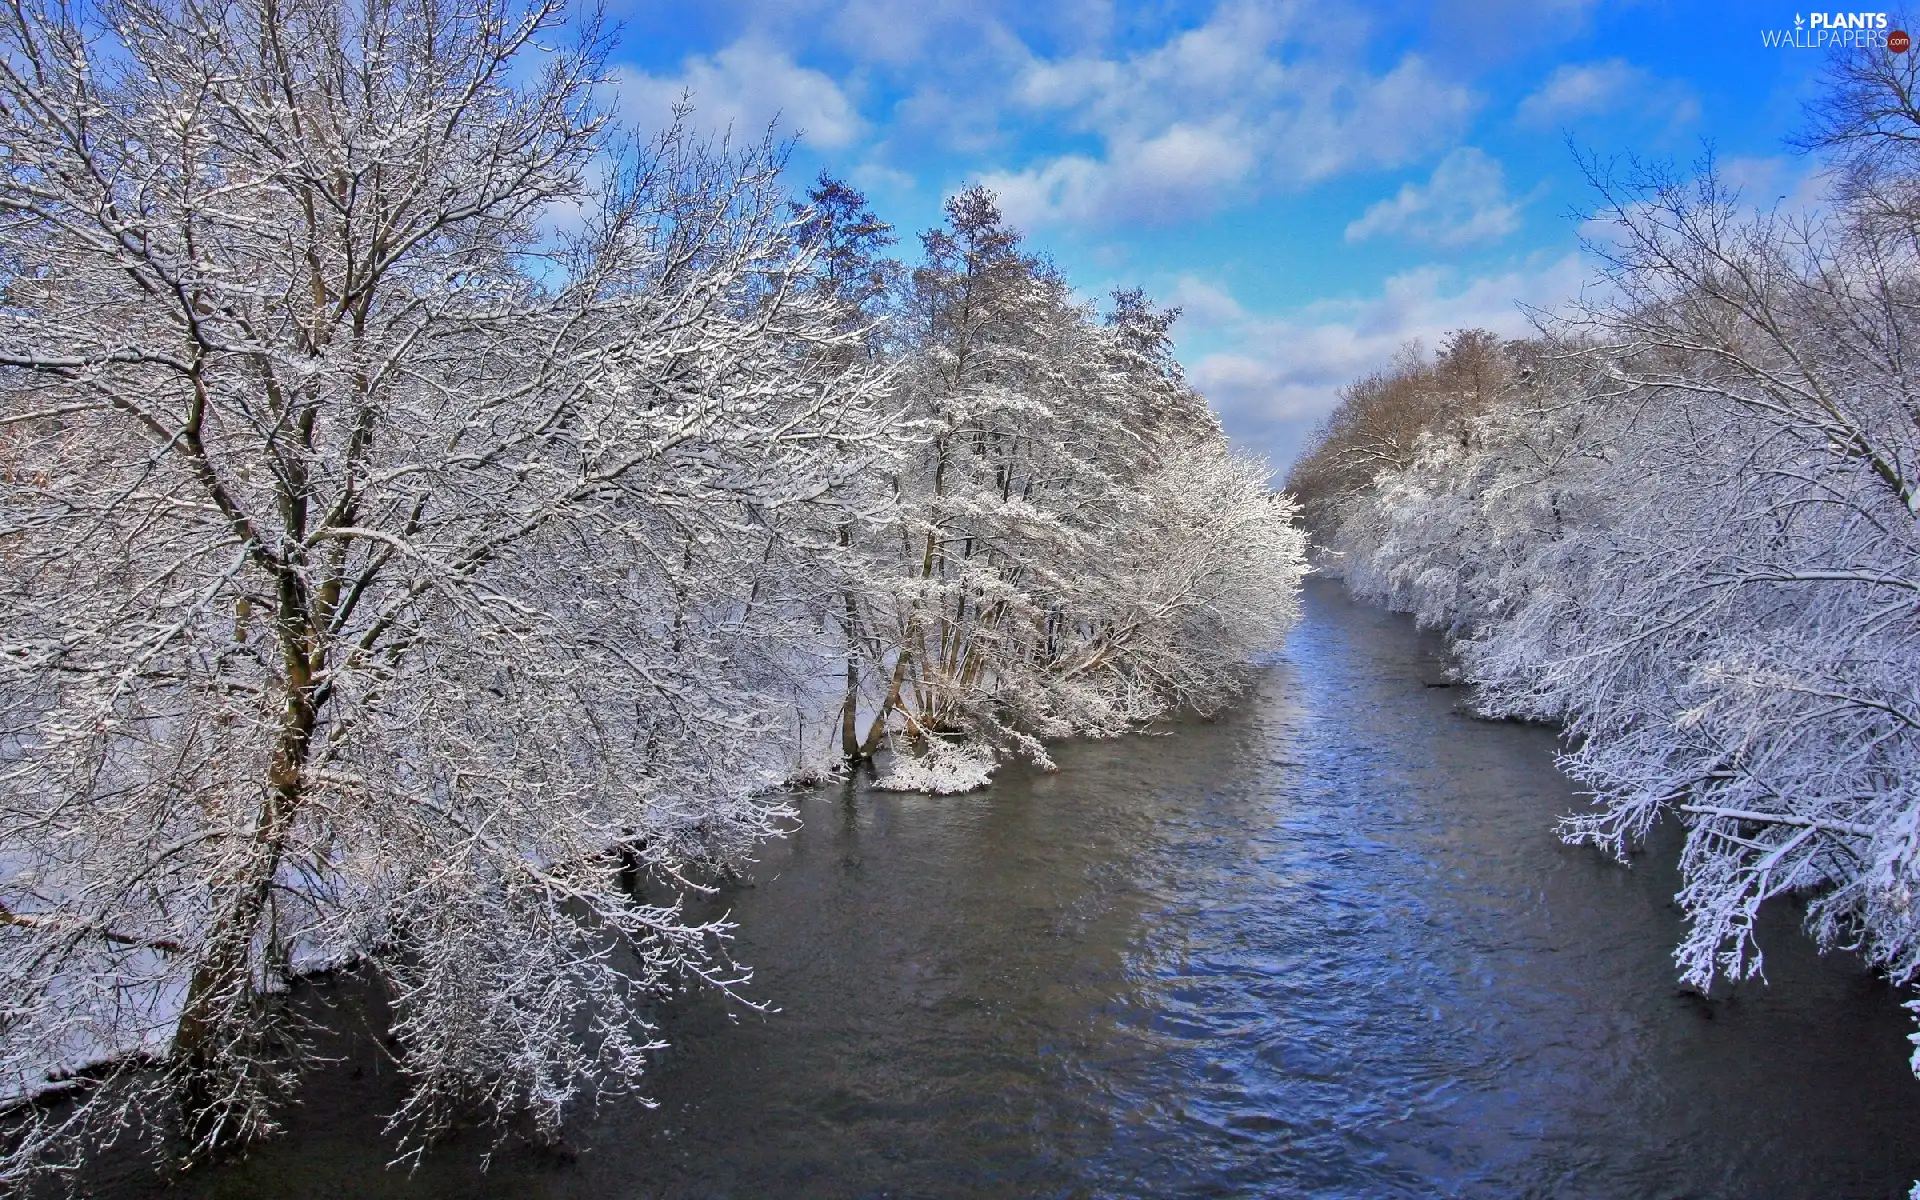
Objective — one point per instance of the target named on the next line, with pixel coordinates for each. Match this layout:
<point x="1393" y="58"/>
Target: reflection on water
<point x="1324" y="946"/>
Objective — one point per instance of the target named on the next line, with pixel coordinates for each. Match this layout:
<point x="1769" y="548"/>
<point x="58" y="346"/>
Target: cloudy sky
<point x="1313" y="183"/>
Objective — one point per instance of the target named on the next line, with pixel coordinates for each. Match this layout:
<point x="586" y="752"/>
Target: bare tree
<point x="1866" y="124"/>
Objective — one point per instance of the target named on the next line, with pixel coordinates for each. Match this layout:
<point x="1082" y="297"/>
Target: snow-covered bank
<point x="1684" y="525"/>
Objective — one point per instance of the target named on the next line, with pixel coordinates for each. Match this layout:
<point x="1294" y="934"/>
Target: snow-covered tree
<point x="1382" y="420"/>
<point x="1690" y="535"/>
<point x="401" y="476"/>
<point x="1074" y="549"/>
<point x="1737" y="649"/>
<point x="1455" y="536"/>
<point x="432" y="524"/>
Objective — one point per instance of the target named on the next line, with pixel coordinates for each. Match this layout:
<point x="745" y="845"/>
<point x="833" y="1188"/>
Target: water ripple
<point x="1326" y="946"/>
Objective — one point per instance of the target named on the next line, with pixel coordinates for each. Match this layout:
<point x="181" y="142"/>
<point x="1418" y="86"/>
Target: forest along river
<point x="1324" y="946"/>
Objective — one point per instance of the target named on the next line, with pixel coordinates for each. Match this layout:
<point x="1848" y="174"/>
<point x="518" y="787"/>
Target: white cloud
<point x="1479" y="32"/>
<point x="875" y="177"/>
<point x="1205" y="306"/>
<point x="891" y="31"/>
<point x="744" y="87"/>
<point x="1796" y="187"/>
<point x="1577" y="90"/>
<point x="917" y="34"/>
<point x="1182" y="169"/>
<point x="1464" y="202"/>
<point x="1236" y="106"/>
<point x="1273" y="379"/>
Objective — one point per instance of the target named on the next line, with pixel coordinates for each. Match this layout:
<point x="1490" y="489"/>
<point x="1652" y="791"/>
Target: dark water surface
<point x="1325" y="946"/>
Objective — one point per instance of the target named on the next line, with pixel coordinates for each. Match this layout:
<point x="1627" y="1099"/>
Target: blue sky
<point x="1313" y="183"/>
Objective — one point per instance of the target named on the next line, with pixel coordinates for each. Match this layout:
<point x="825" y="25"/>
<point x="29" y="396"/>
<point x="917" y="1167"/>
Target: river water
<point x="1326" y="945"/>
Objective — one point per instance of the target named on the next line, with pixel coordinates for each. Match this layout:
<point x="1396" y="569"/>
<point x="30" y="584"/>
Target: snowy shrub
<point x="942" y="769"/>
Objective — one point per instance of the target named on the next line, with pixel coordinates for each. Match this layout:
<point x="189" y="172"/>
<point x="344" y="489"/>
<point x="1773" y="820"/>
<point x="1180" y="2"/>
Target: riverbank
<point x="1327" y="945"/>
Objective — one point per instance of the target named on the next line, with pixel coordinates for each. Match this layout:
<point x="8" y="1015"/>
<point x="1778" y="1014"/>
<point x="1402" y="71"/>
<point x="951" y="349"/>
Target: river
<point x="1326" y="945"/>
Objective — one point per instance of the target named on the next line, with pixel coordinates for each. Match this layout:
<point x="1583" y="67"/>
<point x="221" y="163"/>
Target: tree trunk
<point x="849" y="710"/>
<point x="221" y="1097"/>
